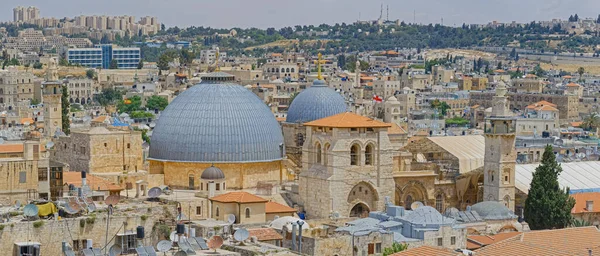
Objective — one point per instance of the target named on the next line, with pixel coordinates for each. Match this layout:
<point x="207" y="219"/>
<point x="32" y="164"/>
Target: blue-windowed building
<point x="102" y="55"/>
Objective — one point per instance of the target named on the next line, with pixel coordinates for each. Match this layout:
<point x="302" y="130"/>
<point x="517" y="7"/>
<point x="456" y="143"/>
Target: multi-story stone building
<point x="51" y="98"/>
<point x="16" y="86"/>
<point x="19" y="172"/>
<point x="416" y="79"/>
<point x="82" y="90"/>
<point x="529" y="84"/>
<point x="101" y="151"/>
<point x="101" y="56"/>
<point x="348" y="166"/>
<point x="568" y="105"/>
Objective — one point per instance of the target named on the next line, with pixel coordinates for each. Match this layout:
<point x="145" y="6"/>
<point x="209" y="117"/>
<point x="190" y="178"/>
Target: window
<point x="218" y="186"/>
<point x="378" y="248"/>
<point x="22" y="177"/>
<point x="201" y="186"/>
<point x="325" y="150"/>
<point x="128" y="145"/>
<point x="198" y="210"/>
<point x="42" y="174"/>
<point x="453" y="240"/>
<point x="408" y="202"/>
<point x="247" y="213"/>
<point x="105" y="145"/>
<point x="217" y="214"/>
<point x="439" y="203"/>
<point x="371" y="248"/>
<point x="369" y="155"/>
<point x="440" y="241"/>
<point x="319" y="153"/>
<point x="354" y="151"/>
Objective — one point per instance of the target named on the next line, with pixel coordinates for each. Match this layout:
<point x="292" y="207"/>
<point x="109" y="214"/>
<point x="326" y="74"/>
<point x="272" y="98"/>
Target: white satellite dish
<point x="241" y="234"/>
<point x="115" y="250"/>
<point x="30" y="210"/>
<point x="264" y="249"/>
<point x="17" y="204"/>
<point x="231" y="218"/>
<point x="49" y="145"/>
<point x="416" y="205"/>
<point x="164" y="246"/>
<point x="1" y="141"/>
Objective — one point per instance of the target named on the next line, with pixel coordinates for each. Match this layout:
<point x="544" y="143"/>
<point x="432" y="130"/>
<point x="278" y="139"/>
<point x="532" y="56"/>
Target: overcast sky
<point x="279" y="13"/>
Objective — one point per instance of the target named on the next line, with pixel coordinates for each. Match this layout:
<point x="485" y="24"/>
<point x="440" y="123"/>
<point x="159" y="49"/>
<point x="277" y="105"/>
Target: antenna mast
<point x="388" y="13"/>
<point x="381" y="12"/>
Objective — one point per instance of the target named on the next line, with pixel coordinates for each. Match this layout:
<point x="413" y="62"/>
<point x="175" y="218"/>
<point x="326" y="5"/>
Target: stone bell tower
<point x="500" y="153"/>
<point x="51" y="96"/>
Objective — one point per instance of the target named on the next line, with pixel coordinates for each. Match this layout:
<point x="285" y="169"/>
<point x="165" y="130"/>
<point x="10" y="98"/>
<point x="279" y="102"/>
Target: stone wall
<point x="53" y="232"/>
<point x="11" y="189"/>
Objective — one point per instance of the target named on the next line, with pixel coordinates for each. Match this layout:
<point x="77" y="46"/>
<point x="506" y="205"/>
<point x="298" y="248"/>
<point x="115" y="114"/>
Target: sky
<point x="281" y="13"/>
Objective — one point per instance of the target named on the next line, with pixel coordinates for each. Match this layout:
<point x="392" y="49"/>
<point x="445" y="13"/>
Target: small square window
<point x="22" y="177"/>
<point x="440" y="241"/>
<point x="453" y="240"/>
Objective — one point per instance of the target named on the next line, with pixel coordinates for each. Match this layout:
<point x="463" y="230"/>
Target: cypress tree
<point x="65" y="105"/>
<point x="547" y="205"/>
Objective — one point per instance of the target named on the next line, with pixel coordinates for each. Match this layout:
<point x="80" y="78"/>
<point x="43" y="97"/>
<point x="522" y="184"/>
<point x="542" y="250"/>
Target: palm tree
<point x="591" y="122"/>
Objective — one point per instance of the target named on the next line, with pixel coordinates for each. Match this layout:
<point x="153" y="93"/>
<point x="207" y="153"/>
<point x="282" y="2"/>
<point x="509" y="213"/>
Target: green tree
<point x="90" y="73"/>
<point x="140" y="65"/>
<point x="113" y="64"/>
<point x="63" y="62"/>
<point x="129" y="105"/>
<point x="66" y="106"/>
<point x="547" y="205"/>
<point x="109" y="96"/>
<point x="396" y="247"/>
<point x="499" y="65"/>
<point x="156" y="102"/>
<point x="34" y="101"/>
<point x="580" y="71"/>
<point x="37" y="65"/>
<point x="441" y="106"/>
<point x="591" y="122"/>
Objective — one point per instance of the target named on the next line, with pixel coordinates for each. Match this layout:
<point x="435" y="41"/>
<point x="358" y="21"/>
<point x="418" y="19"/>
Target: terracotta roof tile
<point x="27" y="120"/>
<point x="238" y="197"/>
<point x="482" y="241"/>
<point x="427" y="250"/>
<point x="93" y="181"/>
<point x="516" y="247"/>
<point x="573" y="85"/>
<point x="348" y="120"/>
<point x="101" y="119"/>
<point x="581" y="202"/>
<point x="11" y="148"/>
<point x="273" y="207"/>
<point x="265" y="234"/>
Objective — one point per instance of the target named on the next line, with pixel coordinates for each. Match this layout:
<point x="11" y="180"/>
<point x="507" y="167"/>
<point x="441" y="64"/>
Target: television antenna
<point x="111" y="201"/>
<point x="115" y="250"/>
<point x="231" y="218"/>
<point x="215" y="243"/>
<point x="164" y="246"/>
<point x="241" y="235"/>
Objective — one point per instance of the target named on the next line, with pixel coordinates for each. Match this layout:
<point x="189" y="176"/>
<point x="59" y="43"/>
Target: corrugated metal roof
<point x="576" y="175"/>
<point x="470" y="150"/>
<point x="216" y="122"/>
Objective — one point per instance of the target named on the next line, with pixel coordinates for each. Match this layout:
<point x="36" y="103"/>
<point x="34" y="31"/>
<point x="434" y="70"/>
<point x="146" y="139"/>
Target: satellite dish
<point x="49" y="145"/>
<point x="115" y="250"/>
<point x="264" y="249"/>
<point x="86" y="191"/>
<point x="164" y="246"/>
<point x="17" y="204"/>
<point x="215" y="242"/>
<point x="75" y="206"/>
<point x="70" y="210"/>
<point x="241" y="234"/>
<point x="1" y="141"/>
<point x="30" y="210"/>
<point x="112" y="200"/>
<point x="416" y="205"/>
<point x="173" y="236"/>
<point x="91" y="207"/>
<point x="231" y="218"/>
<point x="154" y="192"/>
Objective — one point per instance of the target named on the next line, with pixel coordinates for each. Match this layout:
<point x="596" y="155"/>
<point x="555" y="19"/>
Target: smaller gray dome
<point x="212" y="173"/>
<point x="492" y="210"/>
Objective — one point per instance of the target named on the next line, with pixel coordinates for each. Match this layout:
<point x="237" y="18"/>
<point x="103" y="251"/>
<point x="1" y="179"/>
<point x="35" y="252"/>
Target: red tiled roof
<point x="238" y="197"/>
<point x="265" y="234"/>
<point x="348" y="120"/>
<point x="272" y="207"/>
<point x="481" y="241"/>
<point x="427" y="250"/>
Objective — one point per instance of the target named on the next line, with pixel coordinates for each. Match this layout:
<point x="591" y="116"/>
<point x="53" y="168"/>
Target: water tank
<point x="180" y="229"/>
<point x="140" y="232"/>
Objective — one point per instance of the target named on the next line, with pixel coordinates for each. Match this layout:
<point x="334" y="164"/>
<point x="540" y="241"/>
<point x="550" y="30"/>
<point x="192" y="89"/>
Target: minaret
<point x="51" y="97"/>
<point x="500" y="154"/>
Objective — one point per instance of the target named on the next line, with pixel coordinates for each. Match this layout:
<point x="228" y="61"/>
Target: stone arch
<point x="365" y="193"/>
<point x="191" y="180"/>
<point x="76" y="100"/>
<point x="326" y="149"/>
<point x="506" y="201"/>
<point x="359" y="210"/>
<point x="318" y="153"/>
<point x="71" y="100"/>
<point x="370" y="154"/>
<point x="414" y="190"/>
<point x="83" y="101"/>
<point x="355" y="154"/>
<point x="440" y="201"/>
<point x="508" y="228"/>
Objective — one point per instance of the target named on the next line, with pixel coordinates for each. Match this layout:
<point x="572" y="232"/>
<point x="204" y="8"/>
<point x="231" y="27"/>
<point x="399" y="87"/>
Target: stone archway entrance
<point x="360" y="210"/>
<point x="141" y="187"/>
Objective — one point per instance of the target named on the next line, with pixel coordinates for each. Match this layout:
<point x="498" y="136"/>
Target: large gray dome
<point x="492" y="210"/>
<point x="314" y="103"/>
<point x="216" y="121"/>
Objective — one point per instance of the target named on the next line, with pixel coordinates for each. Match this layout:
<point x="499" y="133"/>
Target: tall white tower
<point x="500" y="153"/>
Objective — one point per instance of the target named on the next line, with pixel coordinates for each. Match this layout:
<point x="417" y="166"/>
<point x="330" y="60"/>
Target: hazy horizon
<point x="268" y="13"/>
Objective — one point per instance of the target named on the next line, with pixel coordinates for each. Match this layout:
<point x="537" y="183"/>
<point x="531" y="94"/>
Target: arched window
<point x="325" y="152"/>
<point x="292" y="70"/>
<point x="507" y="201"/>
<point x="439" y="202"/>
<point x="217" y="213"/>
<point x="319" y="153"/>
<point x="287" y="70"/>
<point x="369" y="155"/>
<point x="247" y="213"/>
<point x="407" y="202"/>
<point x="354" y="154"/>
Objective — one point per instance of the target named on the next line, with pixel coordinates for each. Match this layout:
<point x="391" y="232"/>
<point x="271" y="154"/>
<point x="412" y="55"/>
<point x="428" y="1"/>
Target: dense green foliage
<point x="66" y="123"/>
<point x="156" y="102"/>
<point x="141" y="114"/>
<point x="90" y="73"/>
<point x="441" y="106"/>
<point x="109" y="96"/>
<point x="396" y="247"/>
<point x="547" y="205"/>
<point x="113" y="64"/>
<point x="457" y="121"/>
<point x="129" y="105"/>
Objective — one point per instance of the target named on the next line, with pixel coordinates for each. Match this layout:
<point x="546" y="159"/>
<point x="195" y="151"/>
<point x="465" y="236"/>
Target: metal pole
<point x="110" y="208"/>
<point x="294" y="236"/>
